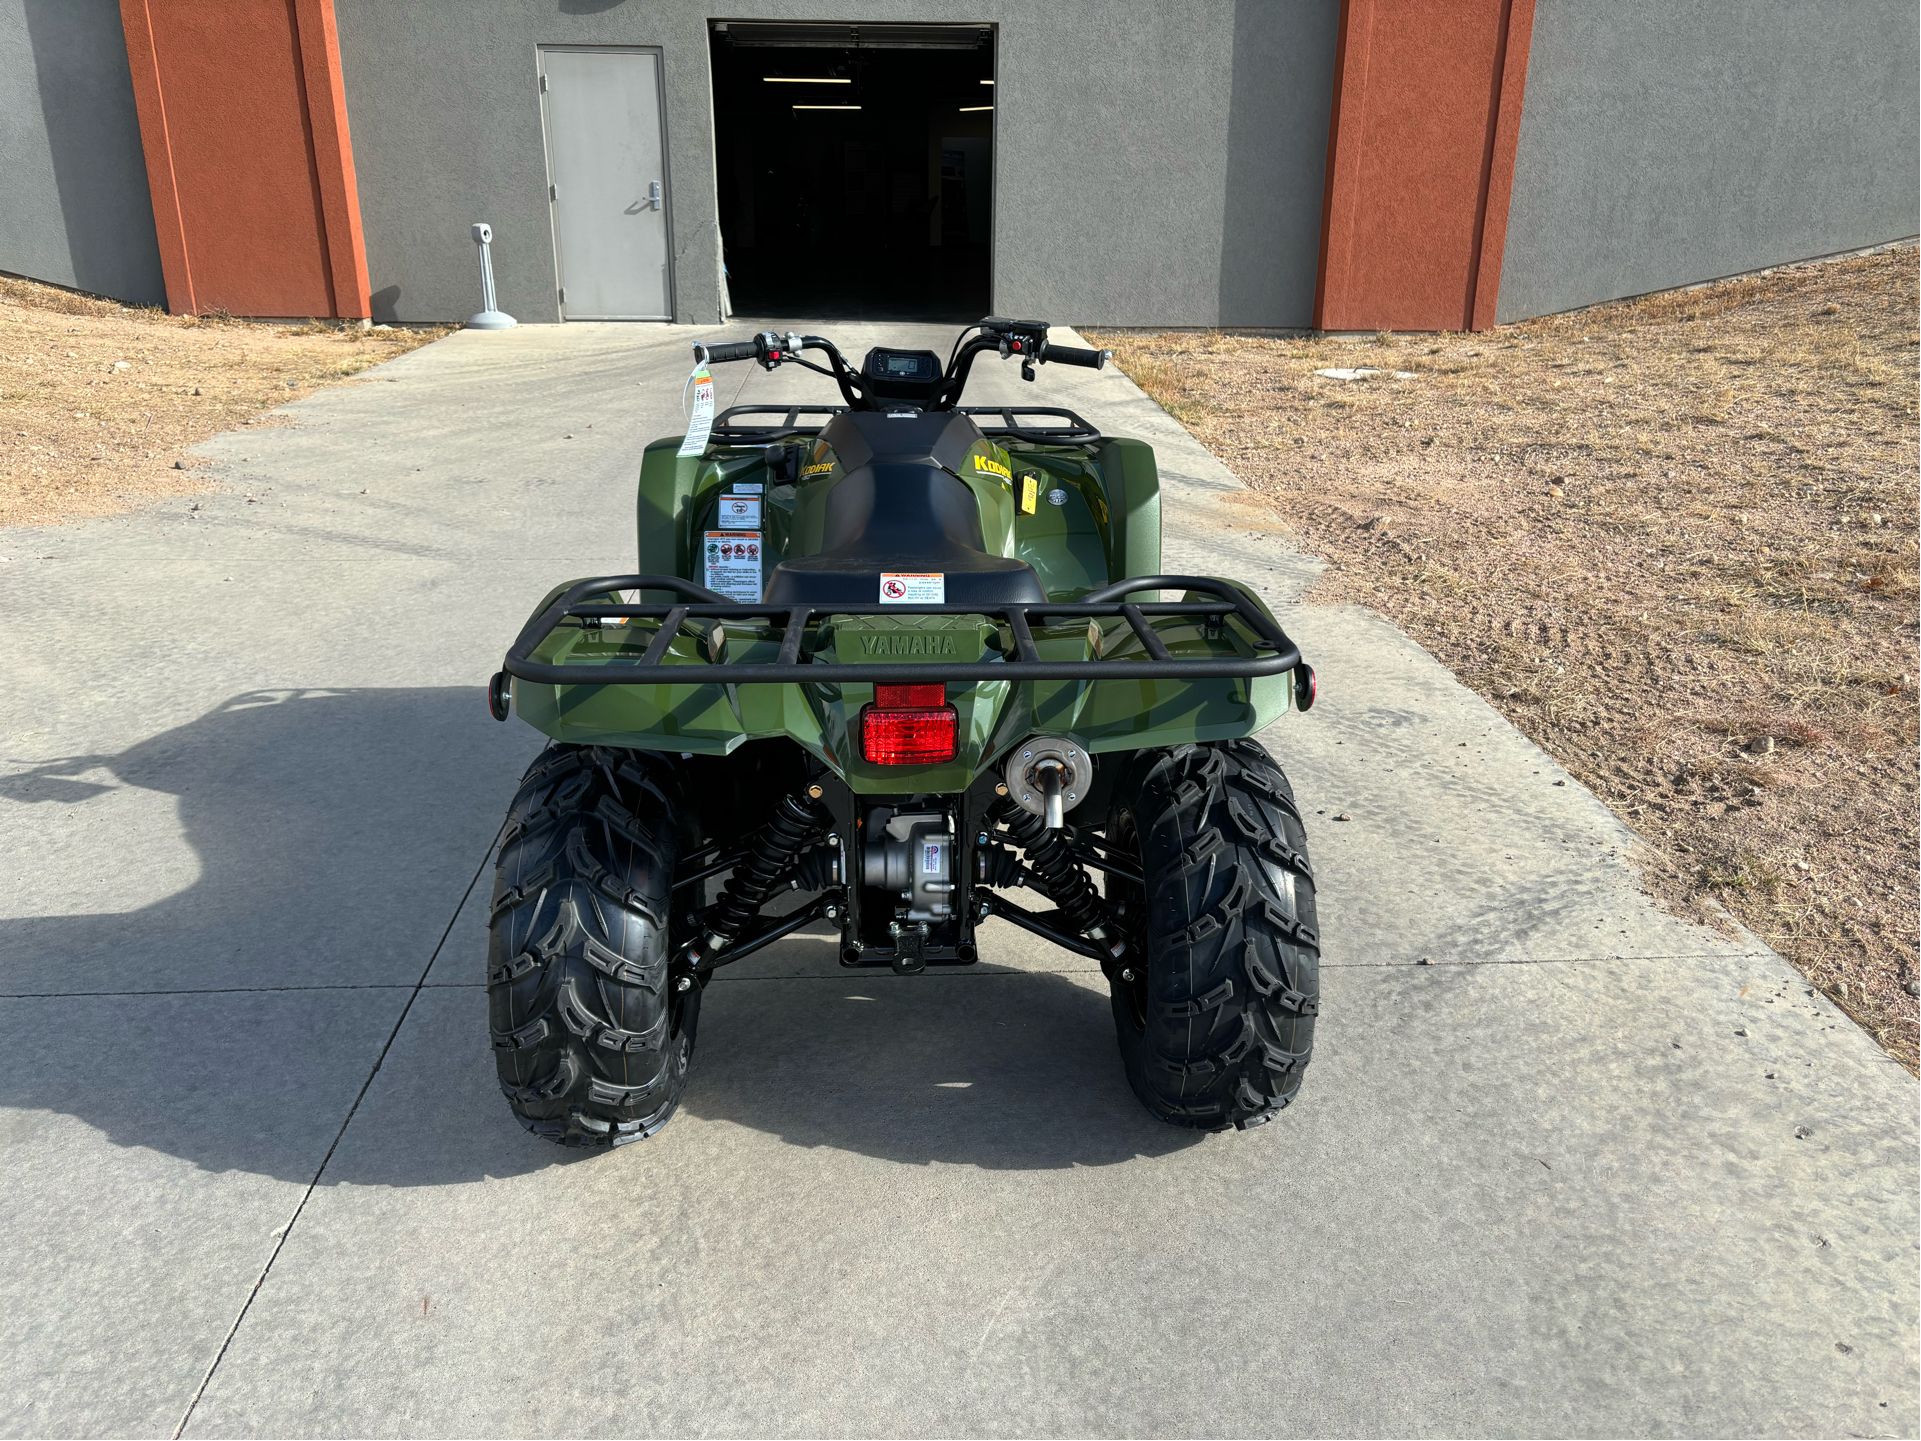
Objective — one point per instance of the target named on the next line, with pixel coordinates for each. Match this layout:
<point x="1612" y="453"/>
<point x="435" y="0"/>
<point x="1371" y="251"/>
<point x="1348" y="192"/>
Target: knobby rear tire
<point x="591" y="1044"/>
<point x="1216" y="1025"/>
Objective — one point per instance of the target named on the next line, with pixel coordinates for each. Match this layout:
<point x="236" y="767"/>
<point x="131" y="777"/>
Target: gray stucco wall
<point x="1663" y="145"/>
<point x="1155" y="164"/>
<point x="74" y="207"/>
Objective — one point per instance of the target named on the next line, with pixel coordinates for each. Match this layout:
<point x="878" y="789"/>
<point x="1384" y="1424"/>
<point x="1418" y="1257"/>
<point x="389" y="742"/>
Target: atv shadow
<point x="319" y="845"/>
<point x="309" y="848"/>
<point x="996" y="1068"/>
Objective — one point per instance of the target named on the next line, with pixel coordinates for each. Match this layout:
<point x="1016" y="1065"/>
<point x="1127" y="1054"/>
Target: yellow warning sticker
<point x="1030" y="492"/>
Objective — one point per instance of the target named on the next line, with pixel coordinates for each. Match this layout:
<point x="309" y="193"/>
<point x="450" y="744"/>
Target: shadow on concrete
<point x="336" y="833"/>
<point x="233" y="1022"/>
<point x="1007" y="1070"/>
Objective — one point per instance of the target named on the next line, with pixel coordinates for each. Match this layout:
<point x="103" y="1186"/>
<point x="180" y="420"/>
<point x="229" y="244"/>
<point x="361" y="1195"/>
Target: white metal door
<point x="607" y="174"/>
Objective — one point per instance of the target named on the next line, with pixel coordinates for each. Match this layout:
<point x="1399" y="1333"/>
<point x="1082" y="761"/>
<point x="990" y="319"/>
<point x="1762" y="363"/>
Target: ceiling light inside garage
<point x="806" y="80"/>
<point x="827" y="107"/>
<point x="969" y="109"/>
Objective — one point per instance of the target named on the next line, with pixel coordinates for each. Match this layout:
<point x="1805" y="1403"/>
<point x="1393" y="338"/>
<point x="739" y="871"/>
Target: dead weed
<point x="1673" y="539"/>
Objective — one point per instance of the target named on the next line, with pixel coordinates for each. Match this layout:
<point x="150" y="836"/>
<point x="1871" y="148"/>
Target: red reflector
<point x="909" y="697"/>
<point x="907" y="737"/>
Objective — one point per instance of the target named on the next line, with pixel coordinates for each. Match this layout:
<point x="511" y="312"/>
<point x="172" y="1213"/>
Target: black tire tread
<point x="1232" y="983"/>
<point x="590" y="1044"/>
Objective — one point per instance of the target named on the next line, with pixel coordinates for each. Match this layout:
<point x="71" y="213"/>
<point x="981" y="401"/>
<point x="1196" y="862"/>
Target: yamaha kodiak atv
<point x="908" y="659"/>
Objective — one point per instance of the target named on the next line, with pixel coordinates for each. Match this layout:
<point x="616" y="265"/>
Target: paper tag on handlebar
<point x="1030" y="492"/>
<point x="701" y="422"/>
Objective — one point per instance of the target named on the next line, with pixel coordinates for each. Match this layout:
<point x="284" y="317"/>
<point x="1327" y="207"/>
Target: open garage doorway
<point x="855" y="169"/>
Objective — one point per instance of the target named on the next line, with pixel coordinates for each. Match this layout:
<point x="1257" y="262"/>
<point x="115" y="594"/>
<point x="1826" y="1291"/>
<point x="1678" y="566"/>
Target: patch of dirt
<point x="99" y="402"/>
<point x="1673" y="540"/>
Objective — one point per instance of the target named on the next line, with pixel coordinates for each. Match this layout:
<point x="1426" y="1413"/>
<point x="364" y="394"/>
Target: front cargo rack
<point x="733" y="428"/>
<point x="1275" y="652"/>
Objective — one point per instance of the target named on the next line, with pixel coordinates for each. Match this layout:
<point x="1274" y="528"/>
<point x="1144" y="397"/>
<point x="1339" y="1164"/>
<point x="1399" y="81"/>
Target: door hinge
<point x="553" y="192"/>
<point x="563" y="295"/>
<point x="543" y="85"/>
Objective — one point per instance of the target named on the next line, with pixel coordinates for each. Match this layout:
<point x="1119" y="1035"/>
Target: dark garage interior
<point x="855" y="167"/>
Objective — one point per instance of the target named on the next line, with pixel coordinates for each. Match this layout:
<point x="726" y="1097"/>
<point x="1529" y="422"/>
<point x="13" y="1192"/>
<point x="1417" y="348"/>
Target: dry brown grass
<point x="98" y="401"/>
<point x="1673" y="540"/>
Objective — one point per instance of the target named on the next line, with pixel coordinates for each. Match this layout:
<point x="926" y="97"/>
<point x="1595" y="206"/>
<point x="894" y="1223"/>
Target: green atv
<point x="877" y="654"/>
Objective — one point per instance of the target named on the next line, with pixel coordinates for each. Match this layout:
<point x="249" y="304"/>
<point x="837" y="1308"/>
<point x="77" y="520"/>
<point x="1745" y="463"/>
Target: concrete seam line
<point x="352" y="1111"/>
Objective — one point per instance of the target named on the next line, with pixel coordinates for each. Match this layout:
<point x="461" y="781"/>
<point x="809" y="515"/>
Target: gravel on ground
<point x="99" y="402"/>
<point x="1672" y="539"/>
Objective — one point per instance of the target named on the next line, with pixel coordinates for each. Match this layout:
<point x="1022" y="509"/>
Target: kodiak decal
<point x="993" y="467"/>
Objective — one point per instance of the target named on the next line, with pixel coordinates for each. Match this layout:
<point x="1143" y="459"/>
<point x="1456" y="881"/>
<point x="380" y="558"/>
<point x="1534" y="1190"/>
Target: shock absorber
<point x="1060" y="878"/>
<point x="770" y="855"/>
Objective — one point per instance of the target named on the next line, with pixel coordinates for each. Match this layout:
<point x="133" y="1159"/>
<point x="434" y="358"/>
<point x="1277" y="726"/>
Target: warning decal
<point x="740" y="512"/>
<point x="908" y="588"/>
<point x="733" y="564"/>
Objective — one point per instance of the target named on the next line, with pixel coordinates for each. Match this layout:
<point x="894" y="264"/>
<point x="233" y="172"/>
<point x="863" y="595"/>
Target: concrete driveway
<point x="1592" y="1171"/>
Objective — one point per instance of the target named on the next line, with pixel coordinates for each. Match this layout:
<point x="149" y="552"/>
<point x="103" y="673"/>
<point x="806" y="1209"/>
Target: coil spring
<point x="1058" y="876"/>
<point x="769" y="856"/>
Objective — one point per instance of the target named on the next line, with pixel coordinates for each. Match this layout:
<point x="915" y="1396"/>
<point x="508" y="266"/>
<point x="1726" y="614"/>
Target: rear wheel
<point x="1215" y="1000"/>
<point x="591" y="1043"/>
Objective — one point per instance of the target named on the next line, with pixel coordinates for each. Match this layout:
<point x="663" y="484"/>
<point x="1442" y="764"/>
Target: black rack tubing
<point x="702" y="603"/>
<point x="886" y="673"/>
<point x="736" y="610"/>
<point x="791" y="638"/>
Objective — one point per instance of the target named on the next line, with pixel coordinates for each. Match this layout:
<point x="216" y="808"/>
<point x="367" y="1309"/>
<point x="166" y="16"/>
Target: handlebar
<point x="1074" y="355"/>
<point x="730" y="350"/>
<point x="1025" y="339"/>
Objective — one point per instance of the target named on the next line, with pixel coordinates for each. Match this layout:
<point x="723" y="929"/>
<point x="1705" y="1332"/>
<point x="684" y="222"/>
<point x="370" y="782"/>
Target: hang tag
<point x="701" y="422"/>
<point x="1030" y="492"/>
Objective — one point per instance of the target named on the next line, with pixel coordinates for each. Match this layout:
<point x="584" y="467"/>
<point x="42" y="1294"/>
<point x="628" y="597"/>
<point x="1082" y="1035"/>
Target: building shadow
<point x="92" y="131"/>
<point x="1281" y="92"/>
<point x="234" y="1023"/>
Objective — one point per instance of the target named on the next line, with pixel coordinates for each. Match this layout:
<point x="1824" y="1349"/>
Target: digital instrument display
<point x="911" y="366"/>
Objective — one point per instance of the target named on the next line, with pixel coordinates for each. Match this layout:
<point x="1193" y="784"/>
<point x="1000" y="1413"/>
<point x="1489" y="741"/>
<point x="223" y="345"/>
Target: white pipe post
<point x="490" y="317"/>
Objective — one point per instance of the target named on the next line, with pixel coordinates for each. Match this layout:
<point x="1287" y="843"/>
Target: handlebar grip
<point x="731" y="350"/>
<point x="1074" y="355"/>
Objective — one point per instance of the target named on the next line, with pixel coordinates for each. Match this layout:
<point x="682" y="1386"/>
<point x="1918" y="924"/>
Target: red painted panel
<point x="1426" y="109"/>
<point x="253" y="190"/>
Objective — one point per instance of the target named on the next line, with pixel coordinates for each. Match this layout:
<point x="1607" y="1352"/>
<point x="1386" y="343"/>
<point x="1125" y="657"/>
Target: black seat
<point x="901" y="517"/>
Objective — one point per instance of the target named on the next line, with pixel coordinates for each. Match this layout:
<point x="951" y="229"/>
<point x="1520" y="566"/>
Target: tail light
<point x="908" y="725"/>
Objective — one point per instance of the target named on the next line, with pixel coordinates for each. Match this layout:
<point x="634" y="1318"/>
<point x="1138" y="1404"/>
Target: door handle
<point x="653" y="195"/>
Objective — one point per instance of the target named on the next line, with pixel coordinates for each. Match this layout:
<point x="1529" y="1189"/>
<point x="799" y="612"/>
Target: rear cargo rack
<point x="1275" y="652"/>
<point x="731" y="427"/>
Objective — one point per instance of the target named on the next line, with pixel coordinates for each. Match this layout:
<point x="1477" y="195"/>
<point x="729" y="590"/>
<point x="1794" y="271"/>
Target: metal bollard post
<point x="489" y="318"/>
